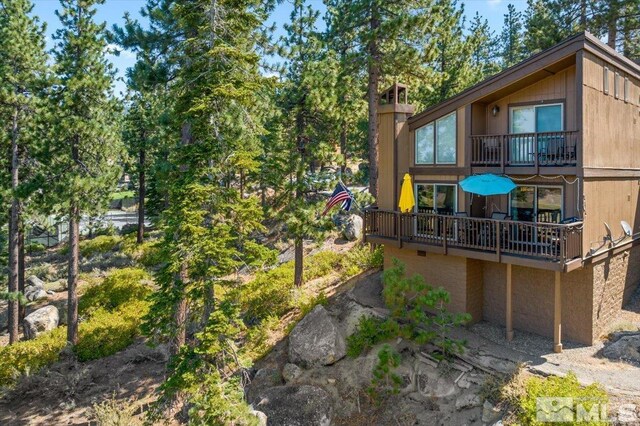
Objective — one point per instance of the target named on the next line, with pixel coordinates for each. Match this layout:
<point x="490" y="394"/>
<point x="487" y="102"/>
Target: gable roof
<point x="527" y="72"/>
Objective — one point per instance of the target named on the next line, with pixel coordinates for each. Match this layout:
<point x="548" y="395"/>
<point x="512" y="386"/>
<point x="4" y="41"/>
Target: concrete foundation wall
<point x="458" y="275"/>
<point x="591" y="297"/>
<point x="614" y="281"/>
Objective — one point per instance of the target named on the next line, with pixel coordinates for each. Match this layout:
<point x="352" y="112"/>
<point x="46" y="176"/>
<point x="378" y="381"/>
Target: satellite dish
<point x="626" y="228"/>
<point x="609" y="236"/>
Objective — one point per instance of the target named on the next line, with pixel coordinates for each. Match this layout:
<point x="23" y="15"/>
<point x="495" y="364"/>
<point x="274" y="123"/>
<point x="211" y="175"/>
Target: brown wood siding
<point x="560" y="86"/>
<point x="609" y="200"/>
<point x="386" y="159"/>
<point x="611" y="126"/>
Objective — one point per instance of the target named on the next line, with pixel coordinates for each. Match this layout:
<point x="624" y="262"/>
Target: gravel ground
<point x="586" y="361"/>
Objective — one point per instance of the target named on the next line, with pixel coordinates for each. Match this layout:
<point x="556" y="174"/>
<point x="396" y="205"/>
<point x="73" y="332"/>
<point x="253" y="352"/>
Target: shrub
<point x="119" y="287"/>
<point x="112" y="412"/>
<point x="359" y="259"/>
<point x="99" y="244"/>
<point x="106" y="333"/>
<point x="385" y="381"/>
<point x="568" y="386"/>
<point x="29" y="356"/>
<point x="410" y="299"/>
<point x="35" y="248"/>
<point x="321" y="264"/>
<point x="270" y="293"/>
<point x="369" y="332"/>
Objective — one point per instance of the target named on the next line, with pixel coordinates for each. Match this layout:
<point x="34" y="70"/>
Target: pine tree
<point x="388" y="41"/>
<point x="483" y="45"/>
<point x="511" y="47"/>
<point x="84" y="153"/>
<point x="205" y="55"/>
<point x="306" y="98"/>
<point x="22" y="80"/>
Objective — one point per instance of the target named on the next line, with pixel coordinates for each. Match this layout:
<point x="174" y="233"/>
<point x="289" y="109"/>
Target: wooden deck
<point x="541" y="245"/>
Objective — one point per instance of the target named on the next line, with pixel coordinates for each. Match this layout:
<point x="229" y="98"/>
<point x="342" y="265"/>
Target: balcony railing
<point x="543" y="241"/>
<point x="525" y="149"/>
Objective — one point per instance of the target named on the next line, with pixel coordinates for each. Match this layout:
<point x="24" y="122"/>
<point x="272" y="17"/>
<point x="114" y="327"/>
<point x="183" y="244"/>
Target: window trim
<point x="434" y="184"/>
<point x="605" y="82"/>
<point x="536" y="105"/>
<point x="627" y="89"/>
<point x="535" y="197"/>
<point x="435" y="141"/>
<point x="616" y="85"/>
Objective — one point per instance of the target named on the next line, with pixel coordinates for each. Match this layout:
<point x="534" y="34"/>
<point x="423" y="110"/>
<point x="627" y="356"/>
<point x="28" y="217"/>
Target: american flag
<point x="340" y="195"/>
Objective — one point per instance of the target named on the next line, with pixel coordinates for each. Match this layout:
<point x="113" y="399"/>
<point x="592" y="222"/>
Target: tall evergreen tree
<point x="388" y="41"/>
<point x="206" y="51"/>
<point x="84" y="153"/>
<point x="483" y="43"/>
<point x="306" y="98"/>
<point x="22" y="79"/>
<point x="511" y="47"/>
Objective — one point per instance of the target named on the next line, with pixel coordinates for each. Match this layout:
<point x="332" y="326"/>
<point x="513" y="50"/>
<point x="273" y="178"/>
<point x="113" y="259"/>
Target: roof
<point x="528" y="71"/>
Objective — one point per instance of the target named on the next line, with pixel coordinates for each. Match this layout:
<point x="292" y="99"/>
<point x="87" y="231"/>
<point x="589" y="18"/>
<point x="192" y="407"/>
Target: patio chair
<point x="498" y="215"/>
<point x="461" y="214"/>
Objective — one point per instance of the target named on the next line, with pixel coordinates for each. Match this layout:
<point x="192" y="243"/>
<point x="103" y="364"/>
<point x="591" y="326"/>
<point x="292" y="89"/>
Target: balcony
<point x="548" y="149"/>
<point x="542" y="245"/>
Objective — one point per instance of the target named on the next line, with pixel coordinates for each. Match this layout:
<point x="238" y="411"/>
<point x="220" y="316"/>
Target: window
<point x="605" y="83"/>
<point x="627" y="89"/>
<point x="532" y="203"/>
<point x="436" y="198"/>
<point x="436" y="141"/>
<point x="537" y="118"/>
<point x="616" y="86"/>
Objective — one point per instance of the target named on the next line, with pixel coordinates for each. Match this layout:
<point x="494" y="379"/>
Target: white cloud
<point x="114" y="49"/>
<point x="493" y="3"/>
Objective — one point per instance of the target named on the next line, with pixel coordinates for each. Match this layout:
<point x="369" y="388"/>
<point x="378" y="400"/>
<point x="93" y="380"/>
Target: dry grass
<point x="115" y="412"/>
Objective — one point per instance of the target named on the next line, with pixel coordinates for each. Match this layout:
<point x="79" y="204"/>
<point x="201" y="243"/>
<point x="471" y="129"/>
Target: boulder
<point x="265" y="378"/>
<point x="468" y="401"/>
<point x="490" y="414"/>
<point x="298" y="405"/>
<point x="41" y="320"/>
<point x="262" y="417"/>
<point x="352" y="227"/>
<point x="626" y="348"/>
<point x="33" y="293"/>
<point x="34" y="281"/>
<point x="291" y="372"/>
<point x="316" y="340"/>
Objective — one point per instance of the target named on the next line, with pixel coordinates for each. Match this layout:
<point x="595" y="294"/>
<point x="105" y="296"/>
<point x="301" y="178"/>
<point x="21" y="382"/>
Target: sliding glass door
<point x="436" y="198"/>
<point x="530" y="203"/>
<point x="525" y="120"/>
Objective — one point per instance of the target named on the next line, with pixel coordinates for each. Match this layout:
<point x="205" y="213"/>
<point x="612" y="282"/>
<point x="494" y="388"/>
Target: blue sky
<point x="113" y="10"/>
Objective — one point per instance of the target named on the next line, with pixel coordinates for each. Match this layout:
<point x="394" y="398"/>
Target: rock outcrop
<point x="34" y="289"/>
<point x="626" y="348"/>
<point x="316" y="340"/>
<point x="299" y="405"/>
<point x="352" y="228"/>
<point x="40" y="321"/>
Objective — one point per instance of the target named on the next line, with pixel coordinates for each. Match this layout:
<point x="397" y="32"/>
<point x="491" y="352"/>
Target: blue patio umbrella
<point x="487" y="184"/>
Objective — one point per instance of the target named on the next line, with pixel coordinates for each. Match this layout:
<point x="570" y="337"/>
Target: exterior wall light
<point x="495" y="110"/>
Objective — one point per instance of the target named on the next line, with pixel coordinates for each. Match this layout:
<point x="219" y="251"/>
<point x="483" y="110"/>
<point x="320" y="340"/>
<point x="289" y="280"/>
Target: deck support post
<point x="557" y="315"/>
<point x="509" y="320"/>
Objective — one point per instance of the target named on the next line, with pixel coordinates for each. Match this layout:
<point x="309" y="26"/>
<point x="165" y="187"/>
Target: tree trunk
<point x="372" y="96"/>
<point x="141" y="194"/>
<point x="72" y="279"/>
<point x="180" y="314"/>
<point x="21" y="269"/>
<point x="209" y="303"/>
<point x="343" y="148"/>
<point x="14" y="231"/>
<point x="298" y="261"/>
<point x="583" y="15"/>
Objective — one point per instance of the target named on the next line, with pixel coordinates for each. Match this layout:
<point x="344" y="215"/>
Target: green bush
<point x="370" y="332"/>
<point x="35" y="248"/>
<point x="29" y="356"/>
<point x="322" y="264"/>
<point x="99" y="244"/>
<point x="568" y="386"/>
<point x="106" y="333"/>
<point x="119" y="287"/>
<point x="359" y="259"/>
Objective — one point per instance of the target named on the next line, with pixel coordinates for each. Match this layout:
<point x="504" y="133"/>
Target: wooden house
<point x="555" y="256"/>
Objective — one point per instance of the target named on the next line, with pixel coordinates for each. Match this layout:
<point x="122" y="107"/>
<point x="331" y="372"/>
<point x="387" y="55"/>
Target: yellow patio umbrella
<point x="407" y="201"/>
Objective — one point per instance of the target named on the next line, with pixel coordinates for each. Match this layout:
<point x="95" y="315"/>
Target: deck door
<point x="525" y="121"/>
